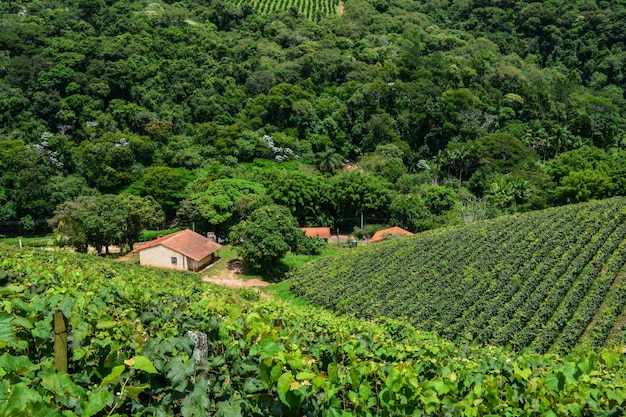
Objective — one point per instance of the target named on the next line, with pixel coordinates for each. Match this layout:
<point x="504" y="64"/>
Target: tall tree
<point x="264" y="238"/>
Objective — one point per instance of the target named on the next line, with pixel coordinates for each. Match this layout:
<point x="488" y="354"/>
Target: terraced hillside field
<point x="550" y="280"/>
<point x="312" y="9"/>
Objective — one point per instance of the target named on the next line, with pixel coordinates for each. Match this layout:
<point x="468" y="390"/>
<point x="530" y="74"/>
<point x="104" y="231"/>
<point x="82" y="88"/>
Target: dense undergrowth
<point x="550" y="280"/>
<point x="129" y="354"/>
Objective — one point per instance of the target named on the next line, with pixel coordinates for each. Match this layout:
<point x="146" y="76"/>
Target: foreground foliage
<point x="550" y="280"/>
<point x="129" y="354"/>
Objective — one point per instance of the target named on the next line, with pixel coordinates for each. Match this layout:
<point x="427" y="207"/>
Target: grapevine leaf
<point x="584" y="364"/>
<point x="43" y="410"/>
<point x="114" y="376"/>
<point x="7" y="335"/>
<point x="556" y="381"/>
<point x="301" y="376"/>
<point x="143" y="364"/>
<point x="522" y="374"/>
<point x="96" y="403"/>
<point x="106" y="324"/>
<point x="610" y="358"/>
<point x="61" y="384"/>
<point x="284" y="382"/>
<point x="226" y="409"/>
<point x="134" y="391"/>
<point x="365" y="390"/>
<point x="18" y="365"/>
<point x="21" y="395"/>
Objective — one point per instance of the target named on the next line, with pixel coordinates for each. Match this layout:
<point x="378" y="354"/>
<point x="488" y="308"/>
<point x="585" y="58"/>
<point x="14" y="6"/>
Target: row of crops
<point x="129" y="354"/>
<point x="312" y="9"/>
<point x="551" y="280"/>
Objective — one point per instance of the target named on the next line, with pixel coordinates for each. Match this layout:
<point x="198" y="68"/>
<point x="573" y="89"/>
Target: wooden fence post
<point x="60" y="342"/>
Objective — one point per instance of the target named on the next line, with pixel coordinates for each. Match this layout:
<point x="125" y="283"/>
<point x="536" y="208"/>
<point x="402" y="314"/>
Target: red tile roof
<point x="321" y="232"/>
<point x="380" y="235"/>
<point x="187" y="242"/>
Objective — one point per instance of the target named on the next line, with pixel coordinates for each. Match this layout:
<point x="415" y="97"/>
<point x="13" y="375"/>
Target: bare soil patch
<point x="228" y="277"/>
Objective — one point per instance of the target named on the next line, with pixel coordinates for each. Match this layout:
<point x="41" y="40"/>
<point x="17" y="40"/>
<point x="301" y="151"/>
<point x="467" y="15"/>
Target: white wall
<point x="161" y="257"/>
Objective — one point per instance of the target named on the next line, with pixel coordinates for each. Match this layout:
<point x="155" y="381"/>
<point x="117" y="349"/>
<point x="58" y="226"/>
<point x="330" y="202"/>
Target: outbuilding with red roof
<point x="321" y="232"/>
<point x="388" y="233"/>
<point x="185" y="250"/>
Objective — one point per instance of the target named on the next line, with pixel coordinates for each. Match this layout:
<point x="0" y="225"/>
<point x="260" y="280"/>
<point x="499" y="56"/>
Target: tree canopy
<point x="346" y="111"/>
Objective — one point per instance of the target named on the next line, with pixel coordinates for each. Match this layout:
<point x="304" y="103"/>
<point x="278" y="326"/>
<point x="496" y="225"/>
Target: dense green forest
<point x="414" y="113"/>
<point x="550" y="280"/>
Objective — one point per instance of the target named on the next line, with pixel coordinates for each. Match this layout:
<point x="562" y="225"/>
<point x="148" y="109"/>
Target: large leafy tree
<point x="105" y="220"/>
<point x="264" y="238"/>
<point x="410" y="212"/>
<point x="354" y="192"/>
<point x="24" y="174"/>
<point x="166" y="185"/>
<point x="215" y="205"/>
<point x="304" y="194"/>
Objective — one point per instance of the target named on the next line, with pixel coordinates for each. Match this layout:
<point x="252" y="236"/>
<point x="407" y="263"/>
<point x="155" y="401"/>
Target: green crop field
<point x="128" y="354"/>
<point x="551" y="280"/>
<point x="312" y="9"/>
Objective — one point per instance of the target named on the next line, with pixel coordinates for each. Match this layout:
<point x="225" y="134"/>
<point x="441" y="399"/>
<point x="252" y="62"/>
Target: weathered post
<point x="200" y="353"/>
<point x="60" y="342"/>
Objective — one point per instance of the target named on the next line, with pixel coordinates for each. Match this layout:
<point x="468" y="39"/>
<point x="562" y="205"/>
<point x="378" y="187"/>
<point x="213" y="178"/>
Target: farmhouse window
<point x="174" y="260"/>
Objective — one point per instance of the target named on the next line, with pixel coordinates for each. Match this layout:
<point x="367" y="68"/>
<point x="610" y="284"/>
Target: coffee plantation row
<point x="551" y="280"/>
<point x="311" y="9"/>
<point x="129" y="354"/>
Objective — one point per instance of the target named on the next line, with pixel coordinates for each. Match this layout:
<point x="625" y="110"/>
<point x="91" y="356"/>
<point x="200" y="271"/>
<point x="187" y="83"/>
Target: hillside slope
<point x="129" y="354"/>
<point x="548" y="280"/>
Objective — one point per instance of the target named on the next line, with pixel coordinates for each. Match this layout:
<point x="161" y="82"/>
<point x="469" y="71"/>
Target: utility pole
<point x="362" y="225"/>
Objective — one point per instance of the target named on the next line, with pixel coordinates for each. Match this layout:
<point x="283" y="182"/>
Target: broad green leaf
<point x="333" y="372"/>
<point x="21" y="395"/>
<point x="301" y="376"/>
<point x="556" y="381"/>
<point x="134" y="391"/>
<point x="365" y="390"/>
<point x="97" y="401"/>
<point x="610" y="358"/>
<point x="585" y="365"/>
<point x="143" y="364"/>
<point x="114" y="376"/>
<point x="522" y="374"/>
<point x="61" y="384"/>
<point x="106" y="324"/>
<point x="22" y="322"/>
<point x="45" y="410"/>
<point x="332" y="412"/>
<point x="284" y="382"/>
<point x="440" y="386"/>
<point x="17" y="365"/>
<point x="7" y="334"/>
<point x="66" y="307"/>
<point x="228" y="409"/>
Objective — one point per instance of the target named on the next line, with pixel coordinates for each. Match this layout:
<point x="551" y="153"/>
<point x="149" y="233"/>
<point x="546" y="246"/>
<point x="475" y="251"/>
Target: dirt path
<point x="228" y="278"/>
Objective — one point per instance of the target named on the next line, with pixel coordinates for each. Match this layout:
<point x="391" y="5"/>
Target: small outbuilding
<point x="390" y="232"/>
<point x="185" y="250"/>
<point x="321" y="232"/>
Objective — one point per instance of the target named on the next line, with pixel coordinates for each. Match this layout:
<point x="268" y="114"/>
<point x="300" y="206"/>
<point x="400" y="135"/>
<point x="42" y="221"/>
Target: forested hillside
<point x="129" y="354"/>
<point x="550" y="280"/>
<point x="449" y="111"/>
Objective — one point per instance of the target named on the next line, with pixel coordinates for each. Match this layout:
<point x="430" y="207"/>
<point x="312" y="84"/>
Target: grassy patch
<point x="33" y="242"/>
<point x="281" y="292"/>
<point x="228" y="259"/>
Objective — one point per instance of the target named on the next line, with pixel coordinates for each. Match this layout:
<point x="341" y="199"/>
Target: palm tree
<point x="328" y="161"/>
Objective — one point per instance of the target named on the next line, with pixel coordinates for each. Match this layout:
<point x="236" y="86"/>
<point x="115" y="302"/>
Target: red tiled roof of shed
<point x="380" y="235"/>
<point x="187" y="242"/>
<point x="321" y="232"/>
